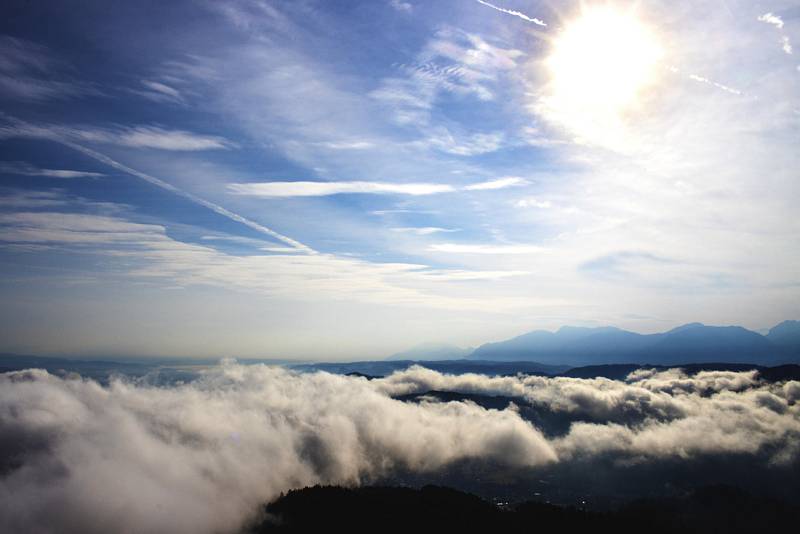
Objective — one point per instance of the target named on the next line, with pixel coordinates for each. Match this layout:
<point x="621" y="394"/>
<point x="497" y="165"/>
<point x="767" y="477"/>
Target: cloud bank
<point x="202" y="457"/>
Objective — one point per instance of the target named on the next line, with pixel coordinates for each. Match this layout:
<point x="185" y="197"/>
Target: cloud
<point x="399" y="5"/>
<point x="18" y="199"/>
<point x="205" y="456"/>
<point x="725" y="88"/>
<point x="321" y="189"/>
<point x="160" y="92"/>
<point x="318" y="189"/>
<point x="425" y="230"/>
<point x="216" y="208"/>
<point x="455" y="248"/>
<point x="25" y="169"/>
<point x="348" y="145"/>
<point x="463" y="145"/>
<point x="162" y="139"/>
<point x="786" y="45"/>
<point x="523" y="16"/>
<point x="27" y="72"/>
<point x="769" y="18"/>
<point x="127" y="136"/>
<point x="141" y="252"/>
<point x="499" y="183"/>
<point x="533" y="202"/>
<point x="652" y="415"/>
<point x="452" y="62"/>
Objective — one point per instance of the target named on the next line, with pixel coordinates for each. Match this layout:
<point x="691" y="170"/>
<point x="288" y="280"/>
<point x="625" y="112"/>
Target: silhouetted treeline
<point x="718" y="509"/>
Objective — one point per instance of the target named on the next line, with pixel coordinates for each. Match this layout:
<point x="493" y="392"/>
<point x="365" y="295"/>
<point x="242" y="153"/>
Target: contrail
<point x="197" y="200"/>
<point x="24" y="129"/>
<point x="523" y="16"/>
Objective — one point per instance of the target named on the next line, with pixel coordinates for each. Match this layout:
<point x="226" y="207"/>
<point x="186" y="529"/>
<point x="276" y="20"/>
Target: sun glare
<point x="598" y="68"/>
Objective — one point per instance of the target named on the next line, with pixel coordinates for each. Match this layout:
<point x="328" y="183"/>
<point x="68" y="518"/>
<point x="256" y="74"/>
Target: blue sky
<point x="344" y="179"/>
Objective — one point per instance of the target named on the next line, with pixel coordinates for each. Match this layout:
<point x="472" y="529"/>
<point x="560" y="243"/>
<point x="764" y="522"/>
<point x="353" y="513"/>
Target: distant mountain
<point x="787" y="335"/>
<point x="432" y="352"/>
<point x="690" y="343"/>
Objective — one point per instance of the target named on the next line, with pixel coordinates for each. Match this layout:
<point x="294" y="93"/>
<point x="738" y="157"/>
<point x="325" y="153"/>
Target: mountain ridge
<point x="689" y="343"/>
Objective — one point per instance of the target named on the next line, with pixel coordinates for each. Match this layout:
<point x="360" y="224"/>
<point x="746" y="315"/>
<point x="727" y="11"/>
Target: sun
<point x="598" y="67"/>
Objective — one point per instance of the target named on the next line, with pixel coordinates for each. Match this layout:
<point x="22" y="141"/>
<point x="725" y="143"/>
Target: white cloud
<point x="216" y="208"/>
<point x="499" y="183"/>
<point x="769" y="18"/>
<point x="145" y="252"/>
<point x="162" y="139"/>
<point x="399" y="5"/>
<point x="31" y="199"/>
<point x="25" y="169"/>
<point x="456" y="248"/>
<point x="725" y="88"/>
<point x="523" y="16"/>
<point x="160" y="92"/>
<point x="348" y="145"/>
<point x="533" y="202"/>
<point x="425" y="230"/>
<point x="453" y="62"/>
<point x="316" y="189"/>
<point x="27" y="72"/>
<point x="134" y="137"/>
<point x="468" y="145"/>
<point x="218" y="448"/>
<point x="319" y="189"/>
<point x="786" y="45"/>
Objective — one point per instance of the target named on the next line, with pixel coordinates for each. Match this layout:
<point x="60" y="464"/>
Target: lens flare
<point x="598" y="68"/>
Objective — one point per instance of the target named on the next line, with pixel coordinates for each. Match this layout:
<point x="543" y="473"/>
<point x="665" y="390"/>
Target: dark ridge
<point x="434" y="508"/>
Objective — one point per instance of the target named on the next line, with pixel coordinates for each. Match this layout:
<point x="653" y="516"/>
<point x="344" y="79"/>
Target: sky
<point x="346" y="179"/>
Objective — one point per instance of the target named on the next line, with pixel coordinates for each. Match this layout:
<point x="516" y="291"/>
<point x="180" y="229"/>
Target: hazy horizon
<point x="325" y="356"/>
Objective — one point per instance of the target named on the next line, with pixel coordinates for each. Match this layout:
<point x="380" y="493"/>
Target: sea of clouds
<point x="204" y="456"/>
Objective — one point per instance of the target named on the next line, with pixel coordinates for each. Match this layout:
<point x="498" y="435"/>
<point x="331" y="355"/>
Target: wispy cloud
<point x="499" y="183"/>
<point x="145" y="252"/>
<point x="424" y="230"/>
<point x="523" y="16"/>
<point x="159" y="92"/>
<point x="457" y="248"/>
<point x="16" y="199"/>
<point x="401" y="6"/>
<point x="29" y="71"/>
<point x="777" y="21"/>
<point x="533" y="202"/>
<point x="718" y="85"/>
<point x="26" y="169"/>
<point x="463" y="145"/>
<point x="216" y="208"/>
<point x="154" y="137"/>
<point x="320" y="189"/>
<point x="769" y="18"/>
<point x="160" y="138"/>
<point x="348" y="145"/>
<point x="453" y="62"/>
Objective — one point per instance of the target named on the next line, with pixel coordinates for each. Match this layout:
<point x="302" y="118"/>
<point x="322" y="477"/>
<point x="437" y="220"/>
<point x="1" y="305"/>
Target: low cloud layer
<point x="202" y="457"/>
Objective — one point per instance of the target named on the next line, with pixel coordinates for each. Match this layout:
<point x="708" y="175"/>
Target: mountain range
<point x="690" y="343"/>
